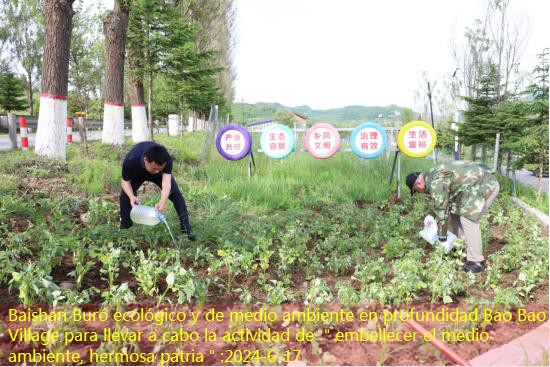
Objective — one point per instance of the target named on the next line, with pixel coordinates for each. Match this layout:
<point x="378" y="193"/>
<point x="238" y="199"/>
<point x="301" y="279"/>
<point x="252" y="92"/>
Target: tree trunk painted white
<point x="12" y="130"/>
<point x="173" y="125"/>
<point x="113" y="124"/>
<point x="51" y="134"/>
<point x="140" y="130"/>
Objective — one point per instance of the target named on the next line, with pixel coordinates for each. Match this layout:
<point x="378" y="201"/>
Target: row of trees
<point x="166" y="55"/>
<point x="493" y="101"/>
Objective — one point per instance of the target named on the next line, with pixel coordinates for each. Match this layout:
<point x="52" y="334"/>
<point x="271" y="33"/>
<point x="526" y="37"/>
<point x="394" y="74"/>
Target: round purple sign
<point x="233" y="142"/>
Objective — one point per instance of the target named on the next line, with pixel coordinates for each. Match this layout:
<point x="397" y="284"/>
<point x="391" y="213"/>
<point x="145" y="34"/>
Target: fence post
<point x="508" y="163"/>
<point x="12" y="129"/>
<point x="23" y="131"/>
<point x="399" y="176"/>
<point x="495" y="159"/>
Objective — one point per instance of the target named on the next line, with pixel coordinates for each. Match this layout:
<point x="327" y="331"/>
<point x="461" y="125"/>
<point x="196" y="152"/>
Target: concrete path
<point x="530" y="349"/>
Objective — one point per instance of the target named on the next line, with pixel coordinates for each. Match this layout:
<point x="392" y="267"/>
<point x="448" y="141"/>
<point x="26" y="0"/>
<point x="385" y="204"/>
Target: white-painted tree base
<point x="51" y="134"/>
<point x="113" y="124"/>
<point x="140" y="132"/>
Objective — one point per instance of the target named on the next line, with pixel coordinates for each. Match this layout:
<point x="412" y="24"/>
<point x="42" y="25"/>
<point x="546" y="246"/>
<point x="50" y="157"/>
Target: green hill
<point x="246" y="113"/>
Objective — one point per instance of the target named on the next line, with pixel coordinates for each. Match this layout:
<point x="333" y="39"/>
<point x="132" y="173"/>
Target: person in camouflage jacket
<point x="461" y="191"/>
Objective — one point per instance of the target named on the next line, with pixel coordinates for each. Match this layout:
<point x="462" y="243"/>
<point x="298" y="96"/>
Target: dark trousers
<point x="175" y="197"/>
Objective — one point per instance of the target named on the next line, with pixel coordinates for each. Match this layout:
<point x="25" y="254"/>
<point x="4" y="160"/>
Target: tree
<point x="406" y="116"/>
<point x="140" y="132"/>
<point x="11" y="93"/>
<point x="115" y="27"/>
<point x="4" y="38"/>
<point x="135" y="70"/>
<point x="497" y="39"/>
<point x="51" y="132"/>
<point x="481" y="123"/>
<point x="445" y="135"/>
<point x="531" y="143"/>
<point x="27" y="37"/>
<point x="147" y="26"/>
<point x="86" y="60"/>
<point x="216" y="20"/>
<point x="285" y="118"/>
<point x="190" y="71"/>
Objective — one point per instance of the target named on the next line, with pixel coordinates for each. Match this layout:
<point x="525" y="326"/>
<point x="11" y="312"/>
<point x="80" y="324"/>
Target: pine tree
<point x="12" y="93"/>
<point x="190" y="71"/>
<point x="481" y="123"/>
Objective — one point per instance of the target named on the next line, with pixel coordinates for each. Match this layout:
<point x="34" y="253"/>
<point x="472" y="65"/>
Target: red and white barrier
<point x="113" y="123"/>
<point x="51" y="133"/>
<point x="69" y="130"/>
<point x="140" y="132"/>
<point x="23" y="133"/>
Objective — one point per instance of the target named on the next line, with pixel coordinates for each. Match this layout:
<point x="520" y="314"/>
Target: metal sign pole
<point x="251" y="163"/>
<point x="393" y="166"/>
<point x="398" y="176"/>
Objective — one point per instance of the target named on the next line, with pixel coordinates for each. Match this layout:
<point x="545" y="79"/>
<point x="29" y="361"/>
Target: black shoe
<point x="190" y="234"/>
<point x="474" y="267"/>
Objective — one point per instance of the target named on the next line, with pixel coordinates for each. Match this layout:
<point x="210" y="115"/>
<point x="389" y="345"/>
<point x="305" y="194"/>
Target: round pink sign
<point x="322" y="140"/>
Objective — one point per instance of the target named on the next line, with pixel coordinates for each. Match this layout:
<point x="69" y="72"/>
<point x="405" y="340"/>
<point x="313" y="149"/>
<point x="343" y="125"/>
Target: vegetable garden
<point x="300" y="233"/>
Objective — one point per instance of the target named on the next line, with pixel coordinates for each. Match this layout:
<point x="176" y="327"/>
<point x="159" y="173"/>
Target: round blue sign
<point x="278" y="141"/>
<point x="368" y="140"/>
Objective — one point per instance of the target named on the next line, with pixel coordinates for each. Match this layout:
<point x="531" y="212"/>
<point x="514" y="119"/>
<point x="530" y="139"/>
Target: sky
<point x="328" y="54"/>
<point x="335" y="53"/>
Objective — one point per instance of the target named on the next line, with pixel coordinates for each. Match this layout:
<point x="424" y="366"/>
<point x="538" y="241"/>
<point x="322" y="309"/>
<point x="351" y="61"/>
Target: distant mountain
<point x="246" y="113"/>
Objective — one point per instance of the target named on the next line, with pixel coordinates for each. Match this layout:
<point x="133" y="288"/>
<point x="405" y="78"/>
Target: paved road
<point x="527" y="178"/>
<point x="5" y="143"/>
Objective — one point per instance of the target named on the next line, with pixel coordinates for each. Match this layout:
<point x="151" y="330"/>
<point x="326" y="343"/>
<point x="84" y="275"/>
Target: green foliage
<point x="147" y="272"/>
<point x="445" y="135"/>
<point x="26" y="34"/>
<point x="190" y="73"/>
<point x="481" y="123"/>
<point x="285" y="118"/>
<point x="530" y="119"/>
<point x="295" y="232"/>
<point x="11" y="93"/>
<point x="407" y="115"/>
<point x="87" y="61"/>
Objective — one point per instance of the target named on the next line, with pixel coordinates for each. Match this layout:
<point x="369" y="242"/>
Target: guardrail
<point x="32" y="122"/>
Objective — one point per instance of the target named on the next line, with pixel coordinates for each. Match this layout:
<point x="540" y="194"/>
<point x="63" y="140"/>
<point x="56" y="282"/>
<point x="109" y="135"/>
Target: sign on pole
<point x="416" y="139"/>
<point x="322" y="140"/>
<point x="368" y="140"/>
<point x="278" y="141"/>
<point x="233" y="142"/>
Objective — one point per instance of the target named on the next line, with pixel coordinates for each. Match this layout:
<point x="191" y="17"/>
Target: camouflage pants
<point x="471" y="231"/>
